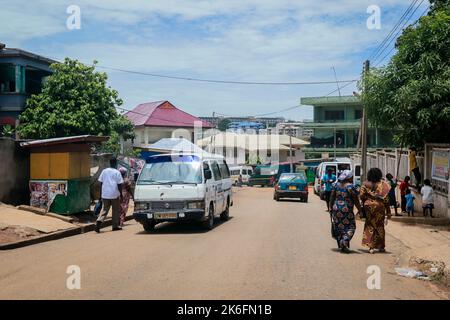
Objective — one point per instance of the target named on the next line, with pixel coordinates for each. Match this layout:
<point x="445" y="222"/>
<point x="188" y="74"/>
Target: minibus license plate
<point x="171" y="215"/>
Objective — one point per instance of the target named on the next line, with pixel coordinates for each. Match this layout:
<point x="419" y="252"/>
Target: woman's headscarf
<point x="345" y="175"/>
<point x="123" y="171"/>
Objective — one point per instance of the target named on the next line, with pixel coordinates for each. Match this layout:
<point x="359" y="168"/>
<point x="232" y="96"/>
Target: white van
<point x="336" y="166"/>
<point x="244" y="171"/>
<point x="183" y="187"/>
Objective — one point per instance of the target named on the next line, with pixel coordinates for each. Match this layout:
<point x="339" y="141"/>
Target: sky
<point x="233" y="40"/>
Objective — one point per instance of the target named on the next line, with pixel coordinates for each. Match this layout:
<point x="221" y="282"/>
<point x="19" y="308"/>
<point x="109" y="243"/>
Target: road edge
<point x="57" y="235"/>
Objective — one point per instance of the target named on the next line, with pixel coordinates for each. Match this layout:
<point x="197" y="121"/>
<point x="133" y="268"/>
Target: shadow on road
<point x="182" y="227"/>
<point x="291" y="200"/>
<point x="350" y="251"/>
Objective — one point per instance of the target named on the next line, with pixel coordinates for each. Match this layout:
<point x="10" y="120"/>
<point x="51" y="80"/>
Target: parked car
<point x="292" y="185"/>
<point x="267" y="175"/>
<point x="183" y="187"/>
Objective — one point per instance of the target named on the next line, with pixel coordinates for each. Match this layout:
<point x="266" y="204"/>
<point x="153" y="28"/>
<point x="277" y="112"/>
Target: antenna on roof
<point x="337" y="82"/>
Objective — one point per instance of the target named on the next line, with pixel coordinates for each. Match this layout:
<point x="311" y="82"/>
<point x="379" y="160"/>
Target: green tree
<point x="223" y="124"/>
<point x="75" y="100"/>
<point x="411" y="95"/>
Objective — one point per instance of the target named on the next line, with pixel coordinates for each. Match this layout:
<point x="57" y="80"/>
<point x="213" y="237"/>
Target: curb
<point x="422" y="221"/>
<point x="57" y="235"/>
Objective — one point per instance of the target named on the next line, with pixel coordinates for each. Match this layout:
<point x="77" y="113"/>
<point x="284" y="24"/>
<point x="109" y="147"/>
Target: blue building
<point x="246" y="125"/>
<point x="21" y="74"/>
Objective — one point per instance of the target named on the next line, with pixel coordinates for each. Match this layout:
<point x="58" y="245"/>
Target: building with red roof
<point x="161" y="119"/>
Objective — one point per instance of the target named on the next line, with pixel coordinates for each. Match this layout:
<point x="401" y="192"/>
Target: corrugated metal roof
<point x="63" y="140"/>
<point x="163" y="114"/>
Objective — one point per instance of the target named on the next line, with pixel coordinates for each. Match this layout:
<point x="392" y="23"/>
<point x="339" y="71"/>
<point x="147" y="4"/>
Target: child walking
<point x="409" y="202"/>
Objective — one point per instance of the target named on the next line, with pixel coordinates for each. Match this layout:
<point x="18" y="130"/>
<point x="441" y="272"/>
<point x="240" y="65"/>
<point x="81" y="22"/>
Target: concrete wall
<point x="14" y="172"/>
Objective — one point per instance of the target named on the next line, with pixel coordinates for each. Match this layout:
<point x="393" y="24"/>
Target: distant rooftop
<point x="162" y="114"/>
<point x="330" y="101"/>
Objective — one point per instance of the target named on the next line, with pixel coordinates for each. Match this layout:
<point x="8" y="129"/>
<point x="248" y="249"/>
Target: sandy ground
<point x="267" y="250"/>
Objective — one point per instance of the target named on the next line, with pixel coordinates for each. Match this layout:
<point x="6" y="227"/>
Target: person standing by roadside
<point x="427" y="198"/>
<point x="343" y="198"/>
<point x="392" y="199"/>
<point x="414" y="167"/>
<point x="403" y="187"/>
<point x="111" y="195"/>
<point x="328" y="179"/>
<point x="127" y="194"/>
<point x="374" y="196"/>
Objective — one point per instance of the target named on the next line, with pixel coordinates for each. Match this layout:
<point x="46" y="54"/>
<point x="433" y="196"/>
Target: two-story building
<point x="21" y="74"/>
<point x="336" y="126"/>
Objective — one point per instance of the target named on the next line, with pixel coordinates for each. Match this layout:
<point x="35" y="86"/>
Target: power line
<point x="215" y="80"/>
<point x="393" y="29"/>
<point x="401" y="30"/>
<point x="222" y="81"/>
<point x="335" y="90"/>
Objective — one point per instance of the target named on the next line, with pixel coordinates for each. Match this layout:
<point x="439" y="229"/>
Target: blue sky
<point x="237" y="40"/>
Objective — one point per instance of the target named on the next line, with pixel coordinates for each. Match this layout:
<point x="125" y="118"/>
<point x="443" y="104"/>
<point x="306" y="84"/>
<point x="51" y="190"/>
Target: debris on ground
<point x="435" y="270"/>
<point x="10" y="233"/>
<point x="411" y="273"/>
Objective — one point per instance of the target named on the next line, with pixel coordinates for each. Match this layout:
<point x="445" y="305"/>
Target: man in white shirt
<point x="111" y="194"/>
<point x="427" y="198"/>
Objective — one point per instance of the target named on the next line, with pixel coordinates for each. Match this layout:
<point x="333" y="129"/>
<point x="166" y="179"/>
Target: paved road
<point x="268" y="250"/>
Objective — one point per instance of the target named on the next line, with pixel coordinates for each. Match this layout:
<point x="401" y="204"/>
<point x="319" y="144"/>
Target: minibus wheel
<point x="209" y="224"/>
<point x="149" y="226"/>
<point x="226" y="214"/>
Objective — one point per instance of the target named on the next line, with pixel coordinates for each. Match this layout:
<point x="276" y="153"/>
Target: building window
<point x="7" y="78"/>
<point x="334" y="115"/>
<point x="358" y="114"/>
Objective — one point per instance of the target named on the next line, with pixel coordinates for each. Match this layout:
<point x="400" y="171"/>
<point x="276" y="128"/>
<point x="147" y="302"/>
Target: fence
<point x="396" y="162"/>
<point x="393" y="161"/>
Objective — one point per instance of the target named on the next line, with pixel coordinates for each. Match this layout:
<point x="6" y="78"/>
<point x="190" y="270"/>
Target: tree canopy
<point x="411" y="95"/>
<point x="75" y="100"/>
<point x="223" y="124"/>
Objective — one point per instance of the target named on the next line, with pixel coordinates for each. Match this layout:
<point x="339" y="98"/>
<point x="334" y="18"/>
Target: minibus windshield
<point x="171" y="170"/>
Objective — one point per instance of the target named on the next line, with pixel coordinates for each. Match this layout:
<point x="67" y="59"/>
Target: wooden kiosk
<point x="60" y="173"/>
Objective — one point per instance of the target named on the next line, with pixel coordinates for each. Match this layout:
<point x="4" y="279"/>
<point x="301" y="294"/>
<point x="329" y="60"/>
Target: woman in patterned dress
<point x="374" y="196"/>
<point x="343" y="198"/>
<point x="126" y="195"/>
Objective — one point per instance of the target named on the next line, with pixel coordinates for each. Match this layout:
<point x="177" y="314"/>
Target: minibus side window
<point x="224" y="171"/>
<point x="216" y="171"/>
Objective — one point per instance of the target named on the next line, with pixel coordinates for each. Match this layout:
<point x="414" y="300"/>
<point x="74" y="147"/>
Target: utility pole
<point x="290" y="151"/>
<point x="334" y="134"/>
<point x="364" y="127"/>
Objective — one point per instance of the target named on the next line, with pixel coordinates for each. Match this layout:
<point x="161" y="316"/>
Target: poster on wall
<point x="43" y="193"/>
<point x="440" y="166"/>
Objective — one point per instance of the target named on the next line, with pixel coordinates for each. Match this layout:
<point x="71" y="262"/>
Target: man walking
<point x="111" y="193"/>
